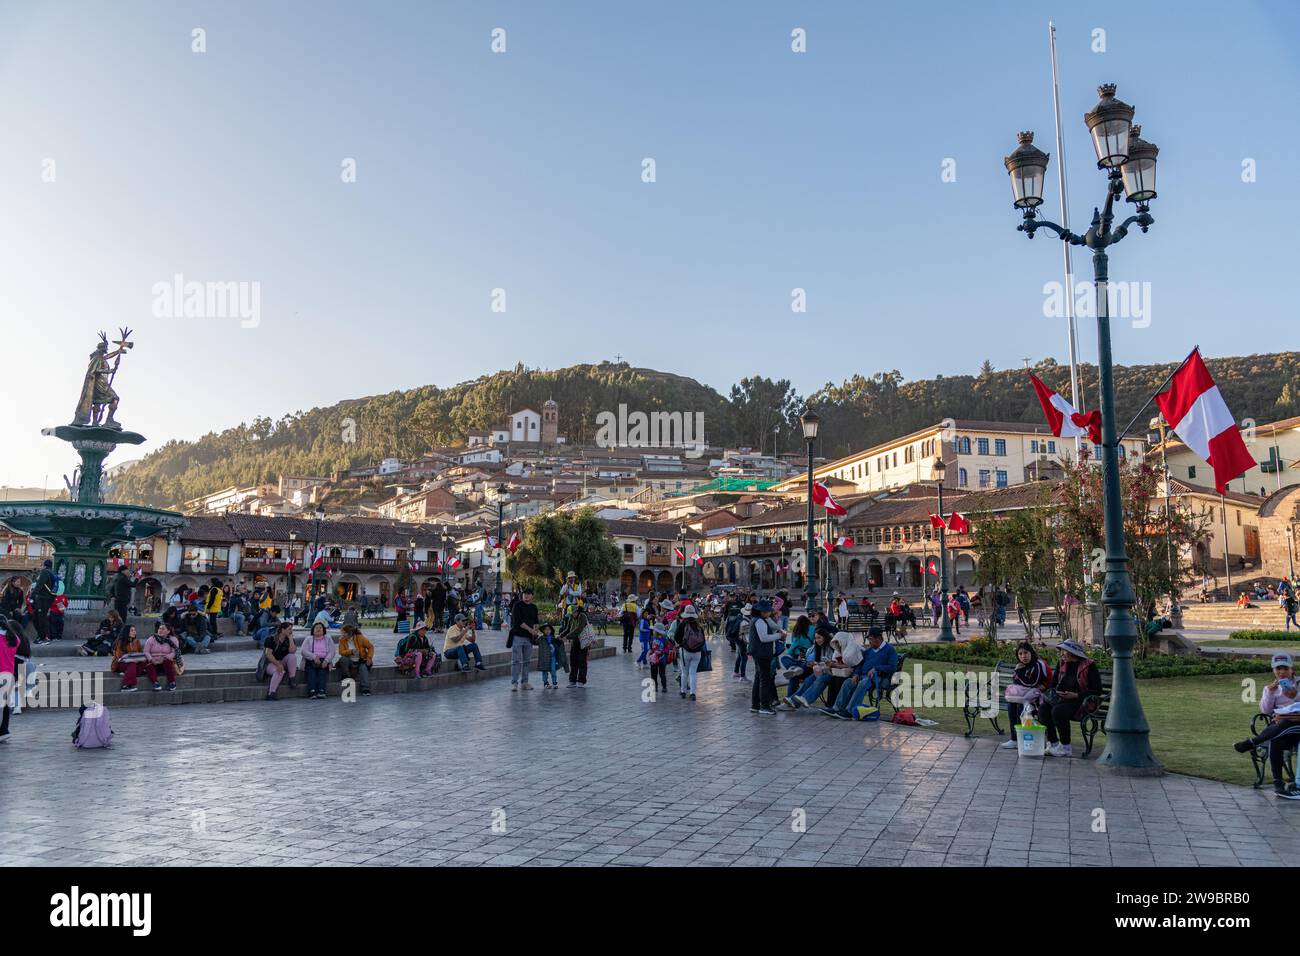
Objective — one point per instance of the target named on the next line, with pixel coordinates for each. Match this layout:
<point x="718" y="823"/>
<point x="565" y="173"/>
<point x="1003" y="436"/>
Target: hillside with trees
<point x="856" y="413"/>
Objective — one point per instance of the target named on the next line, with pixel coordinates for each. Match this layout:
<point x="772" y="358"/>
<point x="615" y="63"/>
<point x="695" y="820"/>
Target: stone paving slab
<point x="478" y="775"/>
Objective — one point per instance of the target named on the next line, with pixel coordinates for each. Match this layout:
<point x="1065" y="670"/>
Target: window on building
<point x="1033" y="446"/>
<point x="1238" y="519"/>
<point x="1051" y="448"/>
<point x="982" y="445"/>
<point x="963" y="445"/>
<point x="1191" y="471"/>
<point x="1001" y="478"/>
<point x="627" y="552"/>
<point x="1000" y="446"/>
<point x="985" y="477"/>
<point x="961" y="477"/>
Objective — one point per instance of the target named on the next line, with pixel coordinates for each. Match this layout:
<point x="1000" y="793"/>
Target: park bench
<point x="1089" y="722"/>
<point x="1259" y="755"/>
<point x="1049" y="621"/>
<point x="599" y="619"/>
<point x="859" y="622"/>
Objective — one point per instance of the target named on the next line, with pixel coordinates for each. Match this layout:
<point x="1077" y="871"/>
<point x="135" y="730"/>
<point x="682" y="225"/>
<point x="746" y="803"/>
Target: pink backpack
<point x="93" y="729"/>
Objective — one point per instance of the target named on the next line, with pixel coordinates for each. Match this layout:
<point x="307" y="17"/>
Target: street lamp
<point x="1130" y="166"/>
<point x="810" y="422"/>
<point x="443" y="541"/>
<point x="315" y="557"/>
<point x="293" y="582"/>
<point x="939" y="470"/>
<point x="496" y="601"/>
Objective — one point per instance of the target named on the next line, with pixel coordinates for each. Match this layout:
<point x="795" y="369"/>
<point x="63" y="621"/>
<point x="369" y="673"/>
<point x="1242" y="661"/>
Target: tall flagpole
<point x="1076" y="392"/>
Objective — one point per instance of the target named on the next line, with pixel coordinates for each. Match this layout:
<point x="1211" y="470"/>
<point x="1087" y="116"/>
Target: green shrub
<point x="1271" y="637"/>
<point x="977" y="653"/>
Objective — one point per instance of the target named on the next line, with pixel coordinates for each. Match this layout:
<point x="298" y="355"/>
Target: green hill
<point x="856" y="413"/>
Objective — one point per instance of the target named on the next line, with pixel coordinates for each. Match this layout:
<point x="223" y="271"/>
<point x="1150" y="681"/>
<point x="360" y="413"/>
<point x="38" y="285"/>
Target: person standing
<point x="763" y="635"/>
<point x="573" y="629"/>
<point x="437" y="601"/>
<point x="524" y="632"/>
<point x="690" y="638"/>
<point x="42" y="596"/>
<point x="216" y="597"/>
<point x="629" y="621"/>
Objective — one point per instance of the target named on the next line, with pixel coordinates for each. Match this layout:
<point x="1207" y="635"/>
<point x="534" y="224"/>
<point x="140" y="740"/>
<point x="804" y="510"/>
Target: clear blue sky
<point x="522" y="171"/>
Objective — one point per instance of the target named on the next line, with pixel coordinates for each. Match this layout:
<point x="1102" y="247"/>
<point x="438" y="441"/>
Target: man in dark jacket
<point x="42" y="597"/>
<point x="121" y="588"/>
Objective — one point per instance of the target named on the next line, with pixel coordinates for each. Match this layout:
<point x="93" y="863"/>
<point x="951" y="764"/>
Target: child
<point x="661" y="652"/>
<point x="645" y="629"/>
<point x="552" y="658"/>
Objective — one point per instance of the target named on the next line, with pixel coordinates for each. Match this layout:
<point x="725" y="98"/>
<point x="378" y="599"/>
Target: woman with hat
<point x="690" y="638"/>
<point x="1281" y="701"/>
<point x="1075" y="689"/>
<point x="414" y="657"/>
<point x="572" y="630"/>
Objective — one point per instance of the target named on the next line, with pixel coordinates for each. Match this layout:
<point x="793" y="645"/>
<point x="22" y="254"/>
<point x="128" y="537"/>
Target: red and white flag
<point x="1062" y="417"/>
<point x="678" y="552"/>
<point x="492" y="543"/>
<point x="696" y="558"/>
<point x="453" y="562"/>
<point x="139" y="572"/>
<point x="934" y="566"/>
<point x="513" y="544"/>
<point x="822" y="496"/>
<point x="843" y="541"/>
<point x="1199" y="416"/>
<point x="958" y="524"/>
<point x="9" y="547"/>
<point x="936" y="522"/>
<point x="414" y="565"/>
<point x="315" y="558"/>
<point x="290" y="564"/>
<point x="827" y="546"/>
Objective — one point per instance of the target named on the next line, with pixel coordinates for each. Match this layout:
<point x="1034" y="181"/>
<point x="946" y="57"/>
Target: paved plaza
<point x="476" y="774"/>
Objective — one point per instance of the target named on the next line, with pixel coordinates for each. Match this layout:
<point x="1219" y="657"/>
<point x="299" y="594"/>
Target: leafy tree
<point x="558" y="542"/>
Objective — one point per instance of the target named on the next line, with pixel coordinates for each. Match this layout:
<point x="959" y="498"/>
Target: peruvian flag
<point x="513" y="544"/>
<point x="843" y="541"/>
<point x="678" y="552"/>
<point x="314" y="558"/>
<point x="958" y="524"/>
<point x="936" y="522"/>
<point x="1062" y="418"/>
<point x="329" y="570"/>
<point x="934" y="566"/>
<point x="290" y="564"/>
<point x="414" y="565"/>
<point x="827" y="546"/>
<point x="438" y="567"/>
<point x="492" y="543"/>
<point x="453" y="562"/>
<point x="822" y="496"/>
<point x="9" y="548"/>
<point x="696" y="558"/>
<point x="1199" y="416"/>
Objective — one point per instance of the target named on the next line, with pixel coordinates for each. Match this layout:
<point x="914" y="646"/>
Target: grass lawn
<point x="1261" y="646"/>
<point x="1194" y="721"/>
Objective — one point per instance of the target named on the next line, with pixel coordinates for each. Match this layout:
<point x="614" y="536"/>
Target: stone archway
<point x="627" y="581"/>
<point x="646" y="583"/>
<point x="665" y="581"/>
<point x="855" y="573"/>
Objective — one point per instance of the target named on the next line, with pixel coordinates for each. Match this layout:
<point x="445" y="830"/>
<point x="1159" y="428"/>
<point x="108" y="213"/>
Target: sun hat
<point x="763" y="607"/>
<point x="461" y="617"/>
<point x="689" y="611"/>
<point x="1281" y="660"/>
<point x="1073" y="647"/>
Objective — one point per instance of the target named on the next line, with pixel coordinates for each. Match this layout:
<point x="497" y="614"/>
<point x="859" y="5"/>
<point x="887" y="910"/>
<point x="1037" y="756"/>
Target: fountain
<point x="84" y="529"/>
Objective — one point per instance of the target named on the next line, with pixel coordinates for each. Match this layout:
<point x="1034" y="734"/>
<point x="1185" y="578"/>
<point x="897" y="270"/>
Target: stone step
<point x="238" y="685"/>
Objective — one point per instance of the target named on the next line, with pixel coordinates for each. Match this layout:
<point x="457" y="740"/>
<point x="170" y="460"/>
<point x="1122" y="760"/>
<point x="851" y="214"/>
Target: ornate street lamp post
<point x="311" y="571"/>
<point x="1130" y="166"/>
<point x="293" y="579"/>
<point x="810" y="422"/>
<point x="939" y="470"/>
<point x="500" y="557"/>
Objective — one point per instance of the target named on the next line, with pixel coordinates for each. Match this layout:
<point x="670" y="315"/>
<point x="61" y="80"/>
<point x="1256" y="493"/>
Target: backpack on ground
<point x="93" y="729"/>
